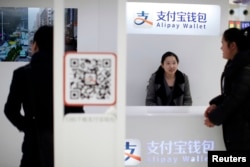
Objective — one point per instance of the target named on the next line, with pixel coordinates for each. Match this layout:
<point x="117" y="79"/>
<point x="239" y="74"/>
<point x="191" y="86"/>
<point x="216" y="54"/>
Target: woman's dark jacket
<point x="159" y="94"/>
<point x="31" y="89"/>
<point x="233" y="105"/>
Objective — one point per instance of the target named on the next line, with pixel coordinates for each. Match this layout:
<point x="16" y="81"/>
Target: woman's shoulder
<point x="152" y="77"/>
<point x="22" y="69"/>
<point x="181" y="76"/>
<point x="181" y="72"/>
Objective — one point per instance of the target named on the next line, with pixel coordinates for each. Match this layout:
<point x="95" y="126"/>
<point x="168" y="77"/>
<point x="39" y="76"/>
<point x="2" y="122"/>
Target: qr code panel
<point x="90" y="78"/>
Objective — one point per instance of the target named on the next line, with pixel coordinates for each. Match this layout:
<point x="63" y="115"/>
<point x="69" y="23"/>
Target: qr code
<point x="90" y="79"/>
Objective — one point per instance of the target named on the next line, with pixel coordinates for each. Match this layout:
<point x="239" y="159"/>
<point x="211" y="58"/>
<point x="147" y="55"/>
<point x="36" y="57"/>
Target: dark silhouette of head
<point x="44" y="38"/>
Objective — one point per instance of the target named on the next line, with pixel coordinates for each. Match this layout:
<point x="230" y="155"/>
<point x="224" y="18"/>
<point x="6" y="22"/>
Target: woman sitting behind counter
<point x="168" y="86"/>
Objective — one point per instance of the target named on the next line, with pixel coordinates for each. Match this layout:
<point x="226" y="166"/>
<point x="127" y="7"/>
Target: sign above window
<point x="173" y="19"/>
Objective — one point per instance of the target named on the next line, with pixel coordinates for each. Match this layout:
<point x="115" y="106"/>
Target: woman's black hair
<point x="44" y="38"/>
<point x="240" y="37"/>
<point x="167" y="54"/>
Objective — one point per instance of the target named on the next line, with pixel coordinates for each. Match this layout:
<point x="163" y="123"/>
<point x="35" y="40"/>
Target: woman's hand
<point x="209" y="109"/>
<point x="208" y="123"/>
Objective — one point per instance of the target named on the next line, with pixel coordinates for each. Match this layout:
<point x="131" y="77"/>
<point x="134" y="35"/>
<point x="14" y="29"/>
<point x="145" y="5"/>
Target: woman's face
<point x="170" y="65"/>
<point x="228" y="50"/>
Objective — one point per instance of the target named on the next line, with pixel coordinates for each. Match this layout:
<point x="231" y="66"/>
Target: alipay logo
<point x="142" y="20"/>
<point x="132" y="152"/>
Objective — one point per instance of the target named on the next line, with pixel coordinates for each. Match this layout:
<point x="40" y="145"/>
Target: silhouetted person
<point x="32" y="90"/>
<point x="231" y="108"/>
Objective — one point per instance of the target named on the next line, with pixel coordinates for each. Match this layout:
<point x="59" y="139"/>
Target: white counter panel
<point x="170" y="136"/>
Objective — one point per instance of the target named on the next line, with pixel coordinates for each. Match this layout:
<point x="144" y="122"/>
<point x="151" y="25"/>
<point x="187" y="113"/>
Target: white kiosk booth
<point x="118" y="135"/>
